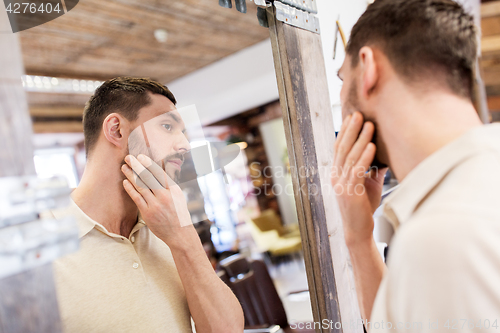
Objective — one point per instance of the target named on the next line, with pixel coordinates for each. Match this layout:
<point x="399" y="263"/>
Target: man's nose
<point x="182" y="143"/>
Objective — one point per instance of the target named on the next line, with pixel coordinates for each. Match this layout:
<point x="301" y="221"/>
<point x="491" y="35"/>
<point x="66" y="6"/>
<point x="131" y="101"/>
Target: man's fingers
<point x="345" y="123"/>
<point x="360" y="145"/>
<point x="138" y="184"/>
<point x="158" y="173"/>
<point x="364" y="161"/>
<point x="136" y="196"/>
<point x="377" y="174"/>
<point x="349" y="138"/>
<point x="143" y="173"/>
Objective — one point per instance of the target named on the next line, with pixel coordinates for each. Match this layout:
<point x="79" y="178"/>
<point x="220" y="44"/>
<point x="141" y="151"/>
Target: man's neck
<point x="101" y="196"/>
<point x="414" y="127"/>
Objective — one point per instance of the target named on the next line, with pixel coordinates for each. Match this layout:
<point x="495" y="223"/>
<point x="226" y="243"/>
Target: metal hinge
<point x="306" y="5"/>
<point x="296" y="17"/>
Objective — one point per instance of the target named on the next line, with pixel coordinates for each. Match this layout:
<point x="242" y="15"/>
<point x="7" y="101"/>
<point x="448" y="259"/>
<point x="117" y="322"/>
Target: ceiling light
<point x="58" y="85"/>
<point x="161" y="35"/>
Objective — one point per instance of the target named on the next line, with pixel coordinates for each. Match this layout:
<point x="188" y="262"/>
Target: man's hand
<point x="358" y="192"/>
<point x="160" y="201"/>
<point x="212" y="304"/>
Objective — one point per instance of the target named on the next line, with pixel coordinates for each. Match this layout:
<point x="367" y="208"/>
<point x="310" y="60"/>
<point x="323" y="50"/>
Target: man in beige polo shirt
<point x="134" y="272"/>
<point x="409" y="73"/>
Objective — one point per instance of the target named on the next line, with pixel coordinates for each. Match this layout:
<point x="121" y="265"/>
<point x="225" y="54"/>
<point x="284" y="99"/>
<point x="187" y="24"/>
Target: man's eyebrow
<point x="176" y="119"/>
<point x="173" y="116"/>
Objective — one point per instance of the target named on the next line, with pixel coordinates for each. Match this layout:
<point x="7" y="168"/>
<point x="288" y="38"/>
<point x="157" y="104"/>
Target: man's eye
<point x="168" y="127"/>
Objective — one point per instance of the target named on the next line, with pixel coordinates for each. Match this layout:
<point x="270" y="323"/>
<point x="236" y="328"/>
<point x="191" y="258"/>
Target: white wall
<point x="273" y="135"/>
<point x="328" y="12"/>
<point x="237" y="83"/>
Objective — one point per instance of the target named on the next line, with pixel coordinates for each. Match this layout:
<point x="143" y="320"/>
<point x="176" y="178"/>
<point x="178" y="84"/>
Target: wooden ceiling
<point x="101" y="39"/>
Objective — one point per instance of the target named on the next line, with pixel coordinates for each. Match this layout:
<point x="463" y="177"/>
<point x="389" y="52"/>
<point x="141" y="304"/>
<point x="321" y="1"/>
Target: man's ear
<point x="113" y="128"/>
<point x="369" y="71"/>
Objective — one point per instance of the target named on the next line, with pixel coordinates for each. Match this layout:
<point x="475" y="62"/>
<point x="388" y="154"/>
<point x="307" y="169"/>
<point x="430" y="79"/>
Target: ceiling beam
<point x="490" y="9"/>
<point x="490" y="44"/>
<point x="56" y="111"/>
<point x="493" y="90"/>
<point x="494" y="103"/>
<point x="58" y="127"/>
<point x="495" y="117"/>
<point x="490" y="26"/>
<point x="491" y="77"/>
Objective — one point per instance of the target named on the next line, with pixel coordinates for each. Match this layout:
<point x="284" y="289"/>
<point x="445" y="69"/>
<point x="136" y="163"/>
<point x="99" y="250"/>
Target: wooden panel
<point x="494" y="103"/>
<point x="308" y="125"/>
<point x="56" y="111"/>
<point x="272" y="111"/>
<point x="490" y="26"/>
<point x="495" y="116"/>
<point x="100" y="39"/>
<point x="490" y="63"/>
<point x="490" y="44"/>
<point x="493" y="90"/>
<point x="58" y="127"/>
<point x="491" y="77"/>
<point x="490" y="9"/>
<point x="38" y="99"/>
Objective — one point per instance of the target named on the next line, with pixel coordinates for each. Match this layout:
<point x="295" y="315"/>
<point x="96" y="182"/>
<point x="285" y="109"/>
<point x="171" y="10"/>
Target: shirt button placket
<point x="135" y="265"/>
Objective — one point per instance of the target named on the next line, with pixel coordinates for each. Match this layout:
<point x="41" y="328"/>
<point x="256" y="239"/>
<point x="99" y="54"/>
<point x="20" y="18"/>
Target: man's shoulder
<point x="448" y="235"/>
<point x="472" y="188"/>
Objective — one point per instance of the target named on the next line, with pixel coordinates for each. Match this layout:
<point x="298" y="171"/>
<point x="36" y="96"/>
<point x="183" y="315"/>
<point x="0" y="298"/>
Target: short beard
<point x="353" y="105"/>
<point x="162" y="163"/>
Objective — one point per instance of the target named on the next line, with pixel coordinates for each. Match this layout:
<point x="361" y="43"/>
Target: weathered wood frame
<point x="308" y="122"/>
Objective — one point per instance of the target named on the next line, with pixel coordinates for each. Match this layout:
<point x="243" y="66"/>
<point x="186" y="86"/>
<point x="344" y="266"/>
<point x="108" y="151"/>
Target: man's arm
<point x="212" y="304"/>
<point x="368" y="268"/>
<point x="358" y="195"/>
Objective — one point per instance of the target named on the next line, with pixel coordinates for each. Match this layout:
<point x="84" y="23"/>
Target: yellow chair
<point x="269" y="220"/>
<point x="269" y="239"/>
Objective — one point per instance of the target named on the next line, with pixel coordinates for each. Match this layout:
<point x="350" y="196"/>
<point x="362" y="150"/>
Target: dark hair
<point x="123" y="95"/>
<point x="420" y="38"/>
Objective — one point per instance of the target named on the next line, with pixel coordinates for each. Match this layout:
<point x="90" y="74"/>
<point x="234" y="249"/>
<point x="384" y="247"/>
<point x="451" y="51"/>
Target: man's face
<point x="159" y="133"/>
<point x="348" y="93"/>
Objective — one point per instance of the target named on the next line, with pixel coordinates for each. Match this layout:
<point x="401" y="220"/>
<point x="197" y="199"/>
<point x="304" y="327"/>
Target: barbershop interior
<point x="235" y="69"/>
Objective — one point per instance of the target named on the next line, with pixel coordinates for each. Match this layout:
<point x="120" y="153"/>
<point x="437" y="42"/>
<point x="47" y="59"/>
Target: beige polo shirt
<point x="115" y="284"/>
<point x="444" y="260"/>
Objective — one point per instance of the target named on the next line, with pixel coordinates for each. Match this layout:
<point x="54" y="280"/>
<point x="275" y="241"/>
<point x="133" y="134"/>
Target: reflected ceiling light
<point x="161" y="35"/>
<point x="58" y="85"/>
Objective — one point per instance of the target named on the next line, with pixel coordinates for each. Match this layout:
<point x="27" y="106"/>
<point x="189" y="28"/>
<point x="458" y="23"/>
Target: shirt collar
<point x="401" y="204"/>
<point x="86" y="224"/>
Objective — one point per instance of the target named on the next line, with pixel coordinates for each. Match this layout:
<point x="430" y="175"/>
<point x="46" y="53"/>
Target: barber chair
<point x="268" y="239"/>
<point x="254" y="288"/>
